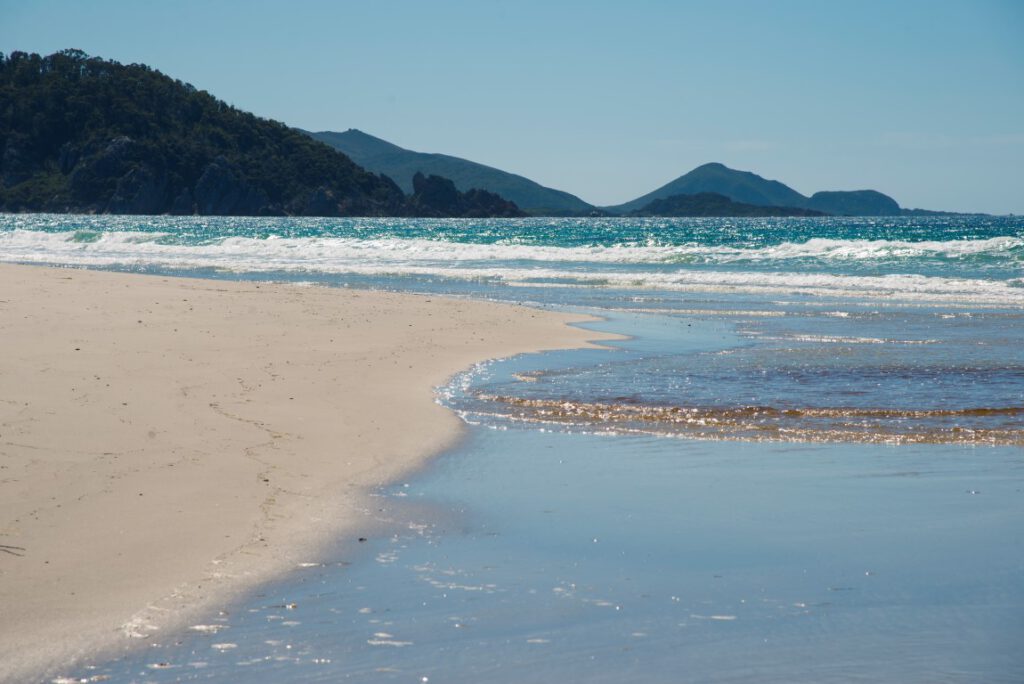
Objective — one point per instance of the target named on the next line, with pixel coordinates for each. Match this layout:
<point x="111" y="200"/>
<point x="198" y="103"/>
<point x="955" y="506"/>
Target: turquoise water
<point x="805" y="464"/>
<point x="923" y="258"/>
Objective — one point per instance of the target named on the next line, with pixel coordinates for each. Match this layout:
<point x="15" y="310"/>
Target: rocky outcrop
<point x="140" y="191"/>
<point x="321" y="202"/>
<point x="184" y="204"/>
<point x="96" y="172"/>
<point x="435" y="196"/>
<point x="223" y="191"/>
<point x="483" y="204"/>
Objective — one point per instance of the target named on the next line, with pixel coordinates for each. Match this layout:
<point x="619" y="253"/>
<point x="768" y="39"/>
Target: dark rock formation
<point x="223" y="191"/>
<point x="140" y="191"/>
<point x="184" y="204"/>
<point x="438" y="197"/>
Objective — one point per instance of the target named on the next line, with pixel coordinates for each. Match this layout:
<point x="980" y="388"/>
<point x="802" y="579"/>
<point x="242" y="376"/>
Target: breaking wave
<point x="632" y="266"/>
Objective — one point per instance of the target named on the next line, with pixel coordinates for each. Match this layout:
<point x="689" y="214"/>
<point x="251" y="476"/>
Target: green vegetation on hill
<point x="714" y="204"/>
<point x="749" y="188"/>
<point x="400" y="164"/>
<point x="83" y="134"/>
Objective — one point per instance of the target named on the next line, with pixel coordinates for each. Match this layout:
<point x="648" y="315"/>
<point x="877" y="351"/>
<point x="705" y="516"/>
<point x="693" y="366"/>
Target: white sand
<point x="166" y="443"/>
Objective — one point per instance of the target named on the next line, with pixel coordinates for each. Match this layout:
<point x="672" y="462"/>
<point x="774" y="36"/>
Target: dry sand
<point x="166" y="443"/>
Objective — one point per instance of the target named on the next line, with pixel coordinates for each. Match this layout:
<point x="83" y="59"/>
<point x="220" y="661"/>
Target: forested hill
<point x="83" y="134"/>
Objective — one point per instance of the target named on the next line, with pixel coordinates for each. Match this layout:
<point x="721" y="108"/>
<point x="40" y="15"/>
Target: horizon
<point x="609" y="104"/>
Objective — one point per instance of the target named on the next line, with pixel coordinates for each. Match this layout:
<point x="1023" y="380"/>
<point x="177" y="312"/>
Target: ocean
<point x="804" y="463"/>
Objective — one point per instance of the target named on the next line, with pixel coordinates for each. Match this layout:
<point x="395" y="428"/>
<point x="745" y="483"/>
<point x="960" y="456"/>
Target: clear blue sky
<point x="923" y="100"/>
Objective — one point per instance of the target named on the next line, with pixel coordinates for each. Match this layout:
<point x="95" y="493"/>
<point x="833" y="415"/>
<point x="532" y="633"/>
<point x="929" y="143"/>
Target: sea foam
<point x="779" y="269"/>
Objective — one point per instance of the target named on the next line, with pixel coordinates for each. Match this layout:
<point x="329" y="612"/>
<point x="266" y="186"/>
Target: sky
<point x="922" y="100"/>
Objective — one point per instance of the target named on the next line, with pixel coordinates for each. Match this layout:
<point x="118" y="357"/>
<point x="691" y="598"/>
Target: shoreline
<point x="169" y="443"/>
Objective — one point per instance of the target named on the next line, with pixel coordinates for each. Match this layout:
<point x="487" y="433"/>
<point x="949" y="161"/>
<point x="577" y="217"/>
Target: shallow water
<point x="892" y="376"/>
<point x="531" y="554"/>
<point x="552" y="557"/>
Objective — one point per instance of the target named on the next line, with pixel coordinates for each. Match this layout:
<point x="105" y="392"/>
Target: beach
<point x="799" y="460"/>
<point x="651" y="352"/>
<point x="170" y="442"/>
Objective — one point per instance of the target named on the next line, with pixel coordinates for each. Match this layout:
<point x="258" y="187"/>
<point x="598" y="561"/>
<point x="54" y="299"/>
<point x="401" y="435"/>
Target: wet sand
<point x="166" y="443"/>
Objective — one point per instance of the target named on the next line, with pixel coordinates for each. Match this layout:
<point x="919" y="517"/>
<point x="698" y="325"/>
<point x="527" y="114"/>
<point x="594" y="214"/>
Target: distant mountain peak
<point x="746" y="187"/>
<point x="740" y="186"/>
<point x="361" y="143"/>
